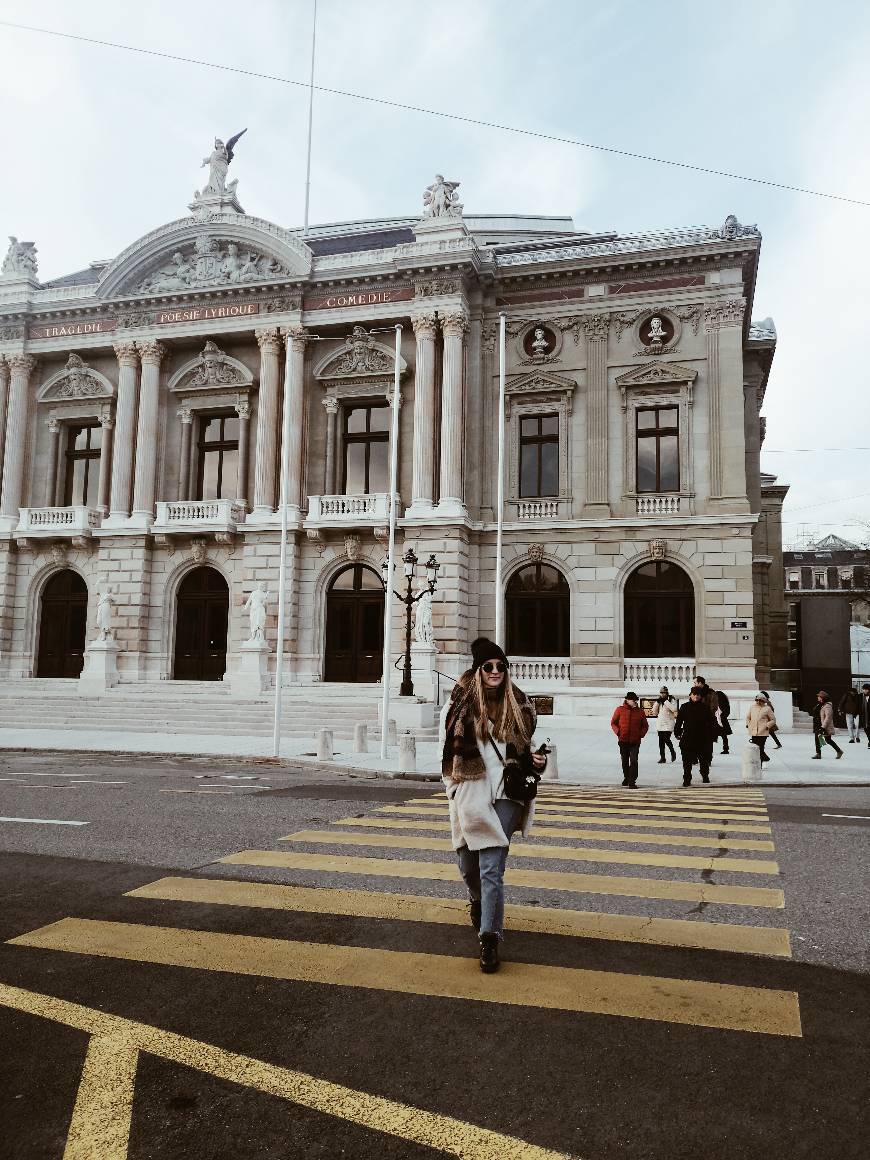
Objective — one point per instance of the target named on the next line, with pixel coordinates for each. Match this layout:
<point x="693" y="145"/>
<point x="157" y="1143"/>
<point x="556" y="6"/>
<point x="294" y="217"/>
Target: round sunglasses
<point x="494" y="667"/>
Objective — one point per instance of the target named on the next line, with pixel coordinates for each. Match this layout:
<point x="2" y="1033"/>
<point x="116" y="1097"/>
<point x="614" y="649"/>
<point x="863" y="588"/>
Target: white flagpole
<point x="310" y="118"/>
<point x="391" y="552"/>
<point x="499" y="601"/>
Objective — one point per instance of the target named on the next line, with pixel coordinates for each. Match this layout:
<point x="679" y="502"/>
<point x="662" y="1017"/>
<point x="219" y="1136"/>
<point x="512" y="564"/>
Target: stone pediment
<point x="211" y="370"/>
<point x="75" y="381"/>
<point x="539" y="382"/>
<point x="657" y="374"/>
<point x="229" y="250"/>
<point x="361" y="359"/>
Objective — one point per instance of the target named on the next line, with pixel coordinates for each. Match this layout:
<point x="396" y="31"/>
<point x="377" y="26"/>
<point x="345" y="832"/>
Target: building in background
<point x="141" y="412"/>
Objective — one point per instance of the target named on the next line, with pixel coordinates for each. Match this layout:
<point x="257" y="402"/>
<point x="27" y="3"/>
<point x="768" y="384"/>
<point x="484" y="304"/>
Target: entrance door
<point x="355" y="625"/>
<point x="202" y="616"/>
<point x="63" y="626"/>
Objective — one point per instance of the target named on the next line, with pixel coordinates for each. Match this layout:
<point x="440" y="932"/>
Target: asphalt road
<point x="319" y="997"/>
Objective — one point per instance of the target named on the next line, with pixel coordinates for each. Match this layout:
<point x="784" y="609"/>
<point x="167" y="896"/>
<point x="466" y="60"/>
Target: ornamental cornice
<point x="212" y="370"/>
<point x="361" y="358"/>
<point x="76" y="380"/>
<point x="12" y="333"/>
<point x="436" y="287"/>
<point x="725" y="314"/>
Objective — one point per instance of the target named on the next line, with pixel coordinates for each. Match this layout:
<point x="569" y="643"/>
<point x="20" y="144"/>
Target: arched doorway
<point x="538" y="613"/>
<point x="355" y="625"/>
<point x="62" y="626"/>
<point x="202" y="616"/>
<point x="659" y="611"/>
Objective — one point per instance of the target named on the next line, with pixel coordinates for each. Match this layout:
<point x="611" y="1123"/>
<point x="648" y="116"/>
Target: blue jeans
<point x="483" y="870"/>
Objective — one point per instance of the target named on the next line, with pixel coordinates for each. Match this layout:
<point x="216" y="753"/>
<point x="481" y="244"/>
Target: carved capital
<point x="107" y="419"/>
<point x="724" y="314"/>
<point x="127" y="354"/>
<point x="454" y="323"/>
<point x="425" y="324"/>
<point x="54" y="426"/>
<point x="489" y="336"/>
<point x="331" y="404"/>
<point x="185" y="414"/>
<point x="22" y="364"/>
<point x="268" y="339"/>
<point x="151" y="351"/>
<point x="296" y="338"/>
<point x="4" y="371"/>
<point x="596" y="326"/>
<point x="243" y="409"/>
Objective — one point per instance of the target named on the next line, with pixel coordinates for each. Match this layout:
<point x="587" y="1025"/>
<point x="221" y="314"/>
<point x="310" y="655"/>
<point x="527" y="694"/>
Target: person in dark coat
<point x="724" y="713"/>
<point x="864" y="712"/>
<point x="695" y="730"/>
<point x="850" y="708"/>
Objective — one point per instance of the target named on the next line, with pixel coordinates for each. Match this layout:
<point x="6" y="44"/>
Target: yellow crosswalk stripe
<point x="670" y="932"/>
<point x="631" y="887"/>
<point x="721" y="1005"/>
<point x="708" y="790"/>
<point x="668" y="812"/>
<point x="583" y="835"/>
<point x="681" y="796"/>
<point x="559" y="853"/>
<point x="544" y="814"/>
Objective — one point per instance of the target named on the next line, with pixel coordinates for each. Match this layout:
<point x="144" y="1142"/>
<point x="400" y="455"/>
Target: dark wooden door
<point x="63" y="626"/>
<point x="355" y="626"/>
<point x="202" y="617"/>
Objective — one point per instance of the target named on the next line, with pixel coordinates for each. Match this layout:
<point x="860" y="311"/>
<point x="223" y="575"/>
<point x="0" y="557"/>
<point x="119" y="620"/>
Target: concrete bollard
<point x="750" y="763"/>
<point x="324" y="744"/>
<point x="407" y="753"/>
<point x="360" y="737"/>
<point x="392" y="732"/>
<point x="551" y="773"/>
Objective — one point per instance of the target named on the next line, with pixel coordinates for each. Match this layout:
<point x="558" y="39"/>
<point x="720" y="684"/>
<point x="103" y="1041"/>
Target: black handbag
<point x="520" y="778"/>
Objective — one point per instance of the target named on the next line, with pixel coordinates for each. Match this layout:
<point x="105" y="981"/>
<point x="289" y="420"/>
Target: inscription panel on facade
<point x="357" y="298"/>
<point x="72" y="329"/>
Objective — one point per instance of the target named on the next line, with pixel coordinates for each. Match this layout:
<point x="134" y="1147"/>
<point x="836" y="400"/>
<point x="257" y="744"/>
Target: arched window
<point x="537" y="610"/>
<point x="659" y="611"/>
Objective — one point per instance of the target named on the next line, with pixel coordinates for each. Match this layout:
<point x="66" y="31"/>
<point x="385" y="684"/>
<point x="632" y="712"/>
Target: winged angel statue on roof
<point x="218" y="163"/>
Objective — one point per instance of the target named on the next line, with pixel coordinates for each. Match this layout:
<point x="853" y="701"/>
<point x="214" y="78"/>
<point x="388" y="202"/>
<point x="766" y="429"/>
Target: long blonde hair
<point x="510" y="723"/>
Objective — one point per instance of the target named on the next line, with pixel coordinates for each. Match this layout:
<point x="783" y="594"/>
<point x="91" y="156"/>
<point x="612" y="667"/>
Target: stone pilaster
<point x="711" y="335"/>
<point x="4" y="396"/>
<point x="107" y="422"/>
<point x="186" y="416"/>
<point x="51" y="481"/>
<point x="269" y="341"/>
<point x="425" y="431"/>
<point x="596" y="327"/>
<point x="22" y="367"/>
<point x="331" y="405"/>
<point x="144" y="492"/>
<point x="723" y="326"/>
<point x="125" y="432"/>
<point x="294" y="384"/>
<point x="489" y="450"/>
<point x="243" y="410"/>
<point x="454" y="324"/>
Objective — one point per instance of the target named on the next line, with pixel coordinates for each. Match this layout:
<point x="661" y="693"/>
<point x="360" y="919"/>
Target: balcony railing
<point x="537" y="509"/>
<point x="59" y="521"/>
<point x="221" y="515"/>
<point x="373" y="508"/>
<point x="657" y="671"/>
<point x="547" y="670"/>
<point x="658" y="505"/>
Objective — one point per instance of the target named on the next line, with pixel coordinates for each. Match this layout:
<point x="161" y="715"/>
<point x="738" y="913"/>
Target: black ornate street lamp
<point x="409" y="562"/>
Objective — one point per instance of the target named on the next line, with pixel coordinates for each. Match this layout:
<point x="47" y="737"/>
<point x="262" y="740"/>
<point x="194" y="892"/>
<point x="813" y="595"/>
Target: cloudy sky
<point x="103" y="145"/>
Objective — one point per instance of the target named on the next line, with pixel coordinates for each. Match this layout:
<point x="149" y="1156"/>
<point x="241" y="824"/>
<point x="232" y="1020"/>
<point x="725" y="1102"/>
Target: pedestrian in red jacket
<point x="630" y="725"/>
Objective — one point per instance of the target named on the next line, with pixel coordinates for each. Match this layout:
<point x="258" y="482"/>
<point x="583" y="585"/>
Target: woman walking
<point x="666" y="719"/>
<point x="486" y="726"/>
<point x="774" y="732"/>
<point x="823" y="725"/>
<point x="760" y="722"/>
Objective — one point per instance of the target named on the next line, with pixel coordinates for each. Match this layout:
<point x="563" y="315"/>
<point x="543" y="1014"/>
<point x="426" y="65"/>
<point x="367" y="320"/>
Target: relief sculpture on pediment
<point x="210" y="262"/>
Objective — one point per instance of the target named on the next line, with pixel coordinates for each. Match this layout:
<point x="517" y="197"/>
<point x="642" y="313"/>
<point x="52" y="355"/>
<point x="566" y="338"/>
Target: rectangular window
<point x="819" y="578"/>
<point x="366" y="449"/>
<point x="218" y="456"/>
<point x="794" y="579"/>
<point x="539" y="456"/>
<point x="82" y="465"/>
<point x="658" y="449"/>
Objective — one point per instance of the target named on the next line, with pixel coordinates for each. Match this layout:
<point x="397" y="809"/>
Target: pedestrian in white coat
<point x="487" y="723"/>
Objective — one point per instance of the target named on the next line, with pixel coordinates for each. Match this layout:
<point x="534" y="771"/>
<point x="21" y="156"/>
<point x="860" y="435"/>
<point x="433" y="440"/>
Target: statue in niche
<point x="255" y="606"/>
<point x="423" y="619"/>
<point x="657" y="335"/>
<point x="20" y="260"/>
<point x="440" y="199"/>
<point x="540" y="344"/>
<point x="105" y="601"/>
<point x="218" y="162"/>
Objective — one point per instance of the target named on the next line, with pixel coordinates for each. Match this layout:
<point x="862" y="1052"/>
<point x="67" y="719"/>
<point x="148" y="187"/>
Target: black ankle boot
<point x="488" y="953"/>
<point x="475" y="914"/>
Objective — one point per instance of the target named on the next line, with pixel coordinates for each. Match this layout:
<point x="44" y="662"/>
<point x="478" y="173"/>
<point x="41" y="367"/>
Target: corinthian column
<point x="151" y="352"/>
<point x="453" y="325"/>
<point x="331" y="405"/>
<point x="294" y="384"/>
<point x="51" y="487"/>
<point x="22" y="367"/>
<point x="186" y="416"/>
<point x="596" y="327"/>
<point x="4" y="395"/>
<point x="423" y="471"/>
<point x="107" y="422"/>
<point x="269" y="342"/>
<point x="243" y="410"/>
<point x="125" y="432"/>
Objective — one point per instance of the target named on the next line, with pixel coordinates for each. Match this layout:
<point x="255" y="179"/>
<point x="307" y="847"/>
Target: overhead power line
<point x="829" y="502"/>
<point x="796" y="450"/>
<point x="476" y="121"/>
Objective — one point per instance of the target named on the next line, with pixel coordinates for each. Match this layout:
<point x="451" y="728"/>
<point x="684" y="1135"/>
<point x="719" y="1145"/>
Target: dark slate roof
<point x="79" y="278"/>
<point x="353" y="243"/>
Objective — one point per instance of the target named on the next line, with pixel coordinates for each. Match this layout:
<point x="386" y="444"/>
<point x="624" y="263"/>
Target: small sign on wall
<point x="739" y="624"/>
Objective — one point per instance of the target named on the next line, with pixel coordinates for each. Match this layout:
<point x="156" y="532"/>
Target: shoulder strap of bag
<point x="496" y="748"/>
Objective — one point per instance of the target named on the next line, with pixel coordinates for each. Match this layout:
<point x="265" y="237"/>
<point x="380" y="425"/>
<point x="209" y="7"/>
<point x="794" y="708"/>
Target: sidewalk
<point x="586" y="752"/>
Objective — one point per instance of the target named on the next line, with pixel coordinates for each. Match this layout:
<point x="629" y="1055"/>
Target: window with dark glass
<point x="82" y="465"/>
<point x="658" y="449"/>
<point x="659" y="612"/>
<point x="366" y="449"/>
<point x="537" y="608"/>
<point x="218" y="457"/>
<point x="539" y="456"/>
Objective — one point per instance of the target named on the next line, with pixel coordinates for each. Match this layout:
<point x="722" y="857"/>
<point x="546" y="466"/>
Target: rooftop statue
<point x="218" y="163"/>
<point x="20" y="260"/>
<point x="440" y="199"/>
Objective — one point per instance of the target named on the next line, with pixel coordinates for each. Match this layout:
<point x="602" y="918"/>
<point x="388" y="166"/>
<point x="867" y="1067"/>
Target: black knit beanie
<point x="482" y="650"/>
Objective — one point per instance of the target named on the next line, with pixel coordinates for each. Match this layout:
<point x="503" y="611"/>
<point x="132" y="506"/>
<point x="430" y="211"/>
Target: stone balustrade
<point x="654" y="672"/>
<point x="549" y="670"/>
<point x="350" y="509"/>
<point x="222" y="515"/>
<point x="537" y="509"/>
<point x="658" y="505"/>
<point x="59" y="521"/>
